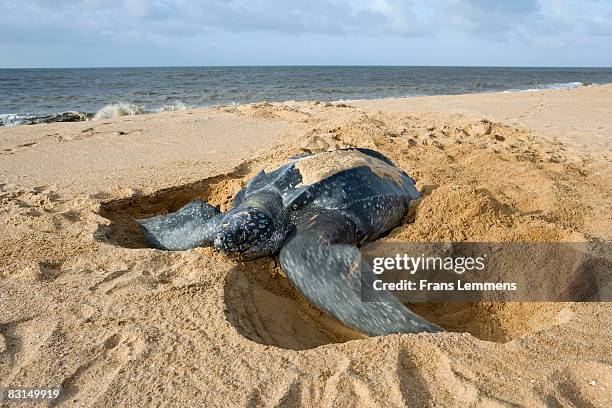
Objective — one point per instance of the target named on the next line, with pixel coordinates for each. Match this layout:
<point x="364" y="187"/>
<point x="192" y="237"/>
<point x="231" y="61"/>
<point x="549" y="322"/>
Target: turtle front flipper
<point x="322" y="262"/>
<point x="191" y="226"/>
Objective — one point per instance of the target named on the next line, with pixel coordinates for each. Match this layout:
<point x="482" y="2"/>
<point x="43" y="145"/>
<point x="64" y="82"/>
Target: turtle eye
<point x="244" y="231"/>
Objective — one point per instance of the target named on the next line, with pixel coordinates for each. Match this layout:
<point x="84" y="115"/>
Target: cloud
<point x="153" y="24"/>
<point x="366" y="17"/>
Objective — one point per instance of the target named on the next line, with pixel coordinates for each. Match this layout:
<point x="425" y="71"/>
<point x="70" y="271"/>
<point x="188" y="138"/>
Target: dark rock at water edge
<point x="71" y="116"/>
<point x="61" y="117"/>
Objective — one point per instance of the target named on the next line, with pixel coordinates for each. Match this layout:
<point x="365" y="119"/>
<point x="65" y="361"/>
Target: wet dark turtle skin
<point x="313" y="212"/>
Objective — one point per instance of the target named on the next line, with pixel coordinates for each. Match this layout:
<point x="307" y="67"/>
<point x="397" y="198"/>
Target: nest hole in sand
<point x="263" y="306"/>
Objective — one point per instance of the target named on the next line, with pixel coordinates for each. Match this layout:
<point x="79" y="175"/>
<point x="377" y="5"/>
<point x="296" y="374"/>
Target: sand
<point x="86" y="306"/>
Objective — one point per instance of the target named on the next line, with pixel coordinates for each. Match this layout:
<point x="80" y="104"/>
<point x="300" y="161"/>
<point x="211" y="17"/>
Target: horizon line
<point x="313" y="66"/>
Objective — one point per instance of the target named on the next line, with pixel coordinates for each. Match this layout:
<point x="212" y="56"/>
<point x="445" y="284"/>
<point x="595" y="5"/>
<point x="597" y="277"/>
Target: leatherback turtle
<point x="313" y="211"/>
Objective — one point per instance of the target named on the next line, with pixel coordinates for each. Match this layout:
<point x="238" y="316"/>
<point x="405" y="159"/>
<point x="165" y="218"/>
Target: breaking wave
<point x="119" y="109"/>
<point x="127" y="109"/>
<point x="112" y="110"/>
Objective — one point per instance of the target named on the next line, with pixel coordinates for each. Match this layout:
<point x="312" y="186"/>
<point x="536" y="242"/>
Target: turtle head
<point x="254" y="229"/>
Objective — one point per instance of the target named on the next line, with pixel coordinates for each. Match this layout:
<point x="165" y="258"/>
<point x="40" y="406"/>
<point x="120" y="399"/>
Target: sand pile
<point x="85" y="305"/>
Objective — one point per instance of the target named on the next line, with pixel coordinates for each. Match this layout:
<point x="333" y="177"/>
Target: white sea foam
<point x="554" y="85"/>
<point x="126" y="109"/>
<point x="563" y="85"/>
<point x="178" y="106"/>
<point x="119" y="109"/>
<point x="12" y="119"/>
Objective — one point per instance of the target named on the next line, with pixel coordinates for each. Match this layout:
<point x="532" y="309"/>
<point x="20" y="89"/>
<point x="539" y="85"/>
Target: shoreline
<point x="118" y="109"/>
<point x="553" y="114"/>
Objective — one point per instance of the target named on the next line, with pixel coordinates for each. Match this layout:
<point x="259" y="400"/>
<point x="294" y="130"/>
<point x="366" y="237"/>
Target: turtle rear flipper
<point x="323" y="264"/>
<point x="191" y="226"/>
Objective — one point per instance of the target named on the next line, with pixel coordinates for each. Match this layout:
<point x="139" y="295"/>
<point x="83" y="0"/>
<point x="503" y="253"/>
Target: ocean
<point x="47" y="95"/>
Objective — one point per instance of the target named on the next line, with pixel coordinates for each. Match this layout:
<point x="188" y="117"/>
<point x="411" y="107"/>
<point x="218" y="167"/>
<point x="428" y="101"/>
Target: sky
<point x="93" y="33"/>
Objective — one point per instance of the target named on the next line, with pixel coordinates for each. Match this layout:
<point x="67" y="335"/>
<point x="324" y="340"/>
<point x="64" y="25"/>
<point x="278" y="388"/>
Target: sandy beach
<point x="85" y="305"/>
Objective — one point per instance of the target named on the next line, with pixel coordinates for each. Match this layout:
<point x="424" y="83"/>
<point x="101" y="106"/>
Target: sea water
<point x="31" y="95"/>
